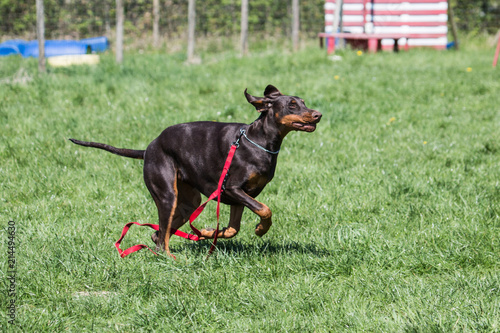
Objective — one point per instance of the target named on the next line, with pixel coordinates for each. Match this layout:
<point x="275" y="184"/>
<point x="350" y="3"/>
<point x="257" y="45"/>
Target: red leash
<point x="196" y="213"/>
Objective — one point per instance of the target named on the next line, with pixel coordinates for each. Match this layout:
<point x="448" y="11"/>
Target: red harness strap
<point x="196" y="213"/>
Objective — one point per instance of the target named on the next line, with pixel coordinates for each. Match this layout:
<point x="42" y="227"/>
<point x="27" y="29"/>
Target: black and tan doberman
<point x="187" y="159"/>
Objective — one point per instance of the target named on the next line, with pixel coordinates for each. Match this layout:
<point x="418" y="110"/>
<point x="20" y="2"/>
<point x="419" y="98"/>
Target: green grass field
<point x="386" y="219"/>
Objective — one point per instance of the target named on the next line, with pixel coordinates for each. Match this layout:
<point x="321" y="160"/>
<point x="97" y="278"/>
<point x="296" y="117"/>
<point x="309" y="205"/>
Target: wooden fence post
<point x="244" y="27"/>
<point x="107" y="25"/>
<point x="191" y="30"/>
<point x="156" y="23"/>
<point x="295" y="24"/>
<point x="119" y="31"/>
<point x="40" y="32"/>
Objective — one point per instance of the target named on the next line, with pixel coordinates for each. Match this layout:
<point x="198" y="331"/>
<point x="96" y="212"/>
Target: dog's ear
<point x="260" y="103"/>
<point x="272" y="92"/>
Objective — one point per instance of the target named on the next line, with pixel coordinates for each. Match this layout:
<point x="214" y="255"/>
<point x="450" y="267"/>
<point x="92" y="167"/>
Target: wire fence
<point x="85" y="18"/>
<point x="76" y="19"/>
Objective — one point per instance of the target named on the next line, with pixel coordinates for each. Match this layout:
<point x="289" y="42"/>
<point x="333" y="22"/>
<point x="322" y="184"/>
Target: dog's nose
<point x="316" y="116"/>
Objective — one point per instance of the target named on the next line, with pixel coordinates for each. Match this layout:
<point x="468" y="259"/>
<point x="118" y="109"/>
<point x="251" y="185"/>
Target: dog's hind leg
<point x="160" y="176"/>
<point x="188" y="199"/>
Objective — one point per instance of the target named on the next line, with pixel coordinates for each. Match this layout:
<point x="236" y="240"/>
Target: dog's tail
<point x="139" y="154"/>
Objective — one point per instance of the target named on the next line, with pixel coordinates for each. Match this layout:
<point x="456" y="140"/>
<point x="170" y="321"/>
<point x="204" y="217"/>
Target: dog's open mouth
<point x="307" y="127"/>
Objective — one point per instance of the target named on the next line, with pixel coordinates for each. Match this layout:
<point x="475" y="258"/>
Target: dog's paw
<point x="261" y="229"/>
<point x="154" y="237"/>
<point x="207" y="233"/>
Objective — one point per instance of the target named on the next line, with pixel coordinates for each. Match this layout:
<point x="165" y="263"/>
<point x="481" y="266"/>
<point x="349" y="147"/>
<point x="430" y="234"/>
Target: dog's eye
<point x="293" y="104"/>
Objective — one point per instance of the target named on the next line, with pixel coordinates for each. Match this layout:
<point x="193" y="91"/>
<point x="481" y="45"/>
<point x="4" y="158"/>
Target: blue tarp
<point x="54" y="47"/>
<point x="15" y="46"/>
<point x="97" y="44"/>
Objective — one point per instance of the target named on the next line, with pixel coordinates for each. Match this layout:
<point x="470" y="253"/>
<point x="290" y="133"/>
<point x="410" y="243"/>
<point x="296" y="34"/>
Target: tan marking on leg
<point x="228" y="232"/>
<point x="231" y="230"/>
<point x="264" y="213"/>
<point x="265" y="220"/>
<point x="207" y="233"/>
<point x="170" y="219"/>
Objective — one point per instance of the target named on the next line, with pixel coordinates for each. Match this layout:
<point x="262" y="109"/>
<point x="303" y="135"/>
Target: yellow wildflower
<point x="393" y="119"/>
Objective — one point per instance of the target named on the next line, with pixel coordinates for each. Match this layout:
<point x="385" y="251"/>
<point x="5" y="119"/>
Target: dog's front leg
<point x="255" y="206"/>
<point x="232" y="228"/>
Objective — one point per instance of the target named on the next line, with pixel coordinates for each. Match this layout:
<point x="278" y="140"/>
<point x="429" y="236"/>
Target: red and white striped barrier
<point x="427" y="18"/>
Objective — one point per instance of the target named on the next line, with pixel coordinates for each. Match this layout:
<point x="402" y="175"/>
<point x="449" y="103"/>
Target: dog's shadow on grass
<point x="239" y="248"/>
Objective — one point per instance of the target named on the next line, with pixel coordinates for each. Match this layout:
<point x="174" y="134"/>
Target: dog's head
<point x="288" y="111"/>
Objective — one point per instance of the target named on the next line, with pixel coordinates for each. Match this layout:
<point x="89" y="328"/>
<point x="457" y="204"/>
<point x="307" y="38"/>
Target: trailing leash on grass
<point x="216" y="194"/>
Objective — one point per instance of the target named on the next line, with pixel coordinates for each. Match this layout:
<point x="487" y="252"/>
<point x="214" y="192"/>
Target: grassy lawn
<point x="386" y="219"/>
